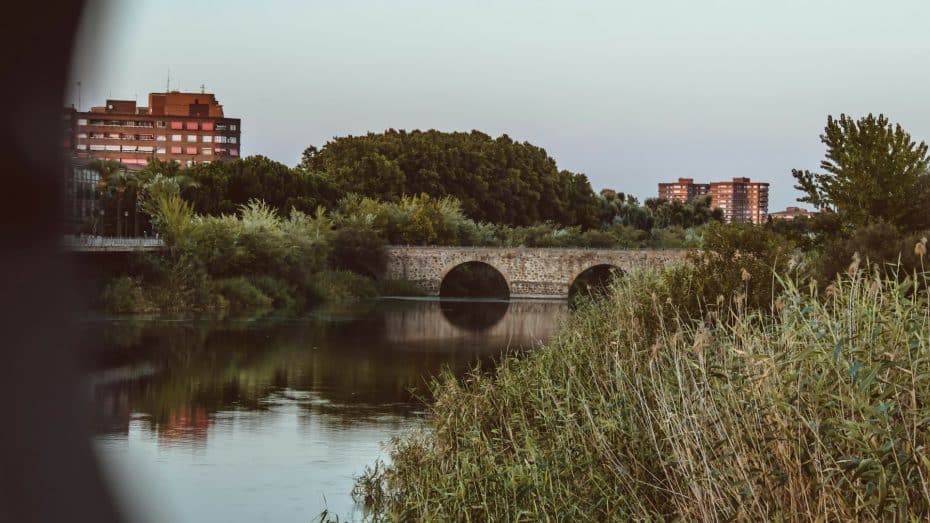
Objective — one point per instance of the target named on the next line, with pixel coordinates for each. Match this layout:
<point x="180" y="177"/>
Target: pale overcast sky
<point x="629" y="93"/>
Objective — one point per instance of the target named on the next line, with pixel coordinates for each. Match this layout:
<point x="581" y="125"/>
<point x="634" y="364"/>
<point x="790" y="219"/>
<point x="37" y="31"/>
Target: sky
<point x="628" y="93"/>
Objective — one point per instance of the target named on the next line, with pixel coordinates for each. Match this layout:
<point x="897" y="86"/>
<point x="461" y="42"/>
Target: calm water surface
<point x="270" y="419"/>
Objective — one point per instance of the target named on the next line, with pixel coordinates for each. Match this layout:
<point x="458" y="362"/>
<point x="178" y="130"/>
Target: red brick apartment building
<point x="791" y="213"/>
<point x="683" y="190"/>
<point x="741" y="200"/>
<point x="187" y="127"/>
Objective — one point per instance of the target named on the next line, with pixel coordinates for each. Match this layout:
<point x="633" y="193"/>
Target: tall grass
<point x="818" y="409"/>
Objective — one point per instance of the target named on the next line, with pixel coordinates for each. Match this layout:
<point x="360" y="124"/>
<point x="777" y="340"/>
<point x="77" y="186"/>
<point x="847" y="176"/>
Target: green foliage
<point x="737" y="260"/>
<point x="879" y="244"/>
<point x="175" y="218"/>
<point x="496" y="180"/>
<point x="359" y="250"/>
<point x="283" y="295"/>
<point x="818" y="411"/>
<point x="389" y="287"/>
<point x="241" y="294"/>
<point x="222" y="187"/>
<point x="874" y="172"/>
<point x="124" y="294"/>
<point x="342" y="286"/>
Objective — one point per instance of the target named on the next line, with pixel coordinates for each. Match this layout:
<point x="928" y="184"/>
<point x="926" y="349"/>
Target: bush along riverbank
<point x="252" y="261"/>
<point x="814" y="406"/>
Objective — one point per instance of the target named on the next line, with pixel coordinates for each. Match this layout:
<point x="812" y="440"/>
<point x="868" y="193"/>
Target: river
<point x="271" y="418"/>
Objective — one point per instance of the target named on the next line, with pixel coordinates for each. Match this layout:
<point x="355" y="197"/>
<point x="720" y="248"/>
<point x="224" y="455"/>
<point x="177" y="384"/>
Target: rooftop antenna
<point x="79" y="94"/>
<point x="168" y="83"/>
<point x="202" y="87"/>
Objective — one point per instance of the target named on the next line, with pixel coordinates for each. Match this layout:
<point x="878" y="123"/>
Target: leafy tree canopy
<point x="496" y="180"/>
<point x="873" y="171"/>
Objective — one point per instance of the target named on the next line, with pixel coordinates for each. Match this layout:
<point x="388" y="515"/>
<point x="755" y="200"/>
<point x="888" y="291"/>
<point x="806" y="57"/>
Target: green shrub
<point x="818" y="411"/>
<point x="282" y="294"/>
<point x="241" y="294"/>
<point x="738" y="260"/>
<point x="124" y="294"/>
<point x="342" y="286"/>
<point x="359" y="250"/>
<point x="398" y="288"/>
<point x="879" y="244"/>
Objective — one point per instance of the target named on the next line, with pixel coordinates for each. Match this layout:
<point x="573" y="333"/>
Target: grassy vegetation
<point x="812" y="407"/>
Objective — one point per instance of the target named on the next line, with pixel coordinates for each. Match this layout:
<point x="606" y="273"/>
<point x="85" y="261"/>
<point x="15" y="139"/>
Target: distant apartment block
<point x="791" y="213"/>
<point x="683" y="190"/>
<point x="741" y="200"/>
<point x="187" y="127"/>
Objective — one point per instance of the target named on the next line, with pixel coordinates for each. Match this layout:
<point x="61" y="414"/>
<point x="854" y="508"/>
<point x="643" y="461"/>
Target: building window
<point x="160" y="124"/>
<point x="191" y="150"/>
<point x="220" y="127"/>
<point x="207" y="126"/>
<point x="146" y="149"/>
<point x="207" y="139"/>
<point x="234" y="152"/>
<point x="207" y="151"/>
<point x="192" y="138"/>
<point x="232" y="139"/>
<point x="232" y="127"/>
<point x="219" y="139"/>
<point x="175" y="137"/>
<point x="161" y="137"/>
<point x="160" y="150"/>
<point x="82" y="136"/>
<point x="81" y="147"/>
<point x="95" y="147"/>
<point x="111" y="147"/>
<point x="129" y="148"/>
<point x="192" y="126"/>
<point x="177" y="125"/>
<point x="175" y="150"/>
<point x="82" y="121"/>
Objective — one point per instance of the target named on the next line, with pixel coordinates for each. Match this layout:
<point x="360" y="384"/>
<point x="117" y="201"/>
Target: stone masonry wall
<point x="529" y="272"/>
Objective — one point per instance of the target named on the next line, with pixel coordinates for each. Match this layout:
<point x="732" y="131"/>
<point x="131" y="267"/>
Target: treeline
<point x="482" y="191"/>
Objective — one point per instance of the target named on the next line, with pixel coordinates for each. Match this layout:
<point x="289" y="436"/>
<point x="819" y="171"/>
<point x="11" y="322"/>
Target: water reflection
<point x="338" y="383"/>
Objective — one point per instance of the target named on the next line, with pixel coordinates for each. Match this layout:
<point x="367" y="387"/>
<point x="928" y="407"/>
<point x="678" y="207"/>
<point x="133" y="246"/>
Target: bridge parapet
<point x="529" y="272"/>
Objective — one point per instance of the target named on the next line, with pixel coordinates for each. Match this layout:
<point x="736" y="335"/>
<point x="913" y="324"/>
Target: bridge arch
<point x="472" y="278"/>
<point x="593" y="277"/>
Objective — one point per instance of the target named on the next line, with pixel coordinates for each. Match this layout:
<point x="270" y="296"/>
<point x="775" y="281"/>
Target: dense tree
<point x="496" y="179"/>
<point x="222" y="187"/>
<point x="874" y="171"/>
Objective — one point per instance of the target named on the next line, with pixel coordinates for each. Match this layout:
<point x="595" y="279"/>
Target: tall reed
<point x="818" y="409"/>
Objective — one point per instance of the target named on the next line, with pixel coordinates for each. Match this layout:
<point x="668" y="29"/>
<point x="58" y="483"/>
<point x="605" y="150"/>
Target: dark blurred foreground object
<point x="48" y="471"/>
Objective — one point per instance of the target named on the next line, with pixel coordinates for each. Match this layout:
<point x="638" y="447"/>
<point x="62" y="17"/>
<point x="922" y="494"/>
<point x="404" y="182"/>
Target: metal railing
<point x="90" y="242"/>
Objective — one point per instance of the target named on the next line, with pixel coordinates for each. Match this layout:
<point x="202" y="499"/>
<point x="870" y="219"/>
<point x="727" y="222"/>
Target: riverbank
<point x="134" y="294"/>
<point x="642" y="408"/>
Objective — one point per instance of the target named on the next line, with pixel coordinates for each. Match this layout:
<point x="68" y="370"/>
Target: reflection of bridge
<point x="529" y="272"/>
<point x="490" y="322"/>
<point x="107" y="244"/>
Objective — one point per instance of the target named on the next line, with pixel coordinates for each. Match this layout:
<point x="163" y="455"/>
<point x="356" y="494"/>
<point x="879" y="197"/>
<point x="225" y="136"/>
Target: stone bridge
<point x="529" y="272"/>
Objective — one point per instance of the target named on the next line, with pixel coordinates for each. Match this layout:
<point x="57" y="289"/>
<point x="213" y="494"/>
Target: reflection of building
<point x="740" y="199"/>
<point x="187" y="127"/>
<point x="682" y="190"/>
<point x="186" y="424"/>
<point x="791" y="213"/>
